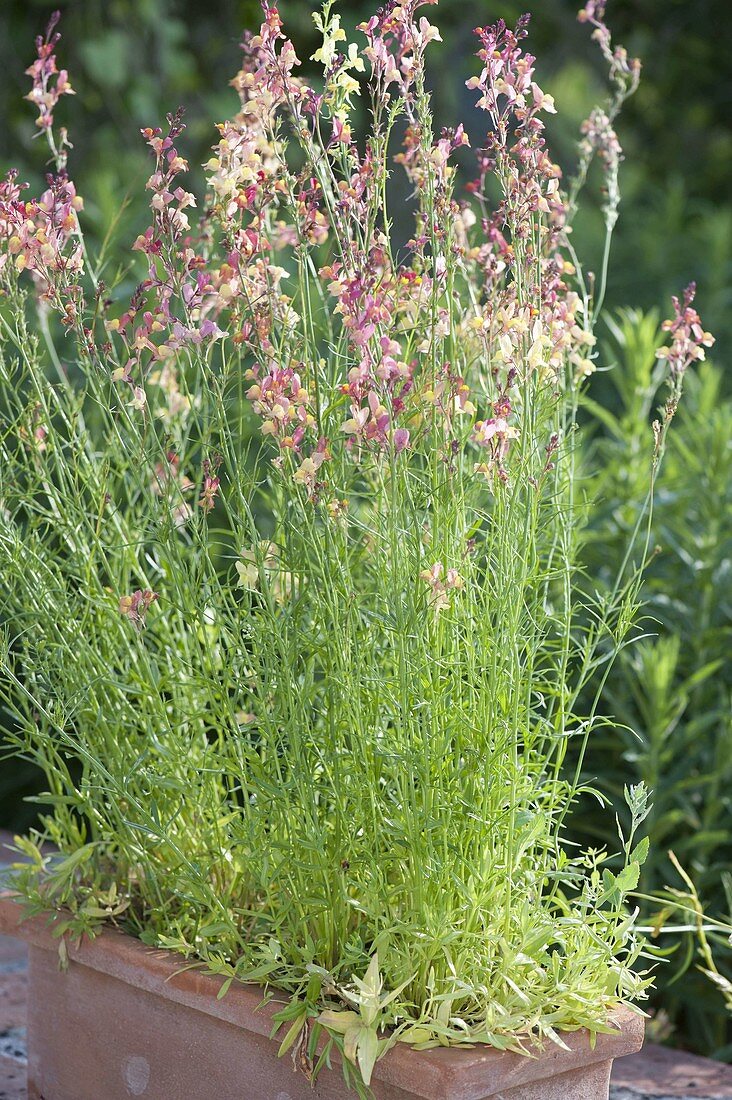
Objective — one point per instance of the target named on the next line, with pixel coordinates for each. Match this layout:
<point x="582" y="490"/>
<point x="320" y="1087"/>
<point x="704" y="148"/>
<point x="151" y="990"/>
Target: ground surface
<point x="655" y="1074"/>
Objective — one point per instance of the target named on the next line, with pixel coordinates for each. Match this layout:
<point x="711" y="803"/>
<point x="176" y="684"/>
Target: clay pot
<point x="124" y="1020"/>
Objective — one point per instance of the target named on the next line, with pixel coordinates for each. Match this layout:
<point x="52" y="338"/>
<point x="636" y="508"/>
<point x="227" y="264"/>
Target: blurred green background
<point x="131" y="61"/>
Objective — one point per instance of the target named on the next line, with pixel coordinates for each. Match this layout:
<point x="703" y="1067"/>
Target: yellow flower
<point x="332" y="33"/>
<point x="248" y="572"/>
<point x="305" y="472"/>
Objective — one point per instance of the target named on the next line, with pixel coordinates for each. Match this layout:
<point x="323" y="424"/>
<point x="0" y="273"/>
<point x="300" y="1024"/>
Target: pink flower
<point x="42" y="235"/>
<point x="688" y="338"/>
<point x="211" y="487"/>
<point x="283" y="403"/>
<point x="49" y="83"/>
<point x="401" y="439"/>
<point x="277" y="59"/>
<point x="496" y="429"/>
<point x="139" y="399"/>
<point x="441" y="584"/>
<point x="372" y="423"/>
<point x="624" y="70"/>
<point x="495" y="434"/>
<point x="136" y="606"/>
<point x="211" y="483"/>
<point x="307" y="472"/>
<point x="396" y="45"/>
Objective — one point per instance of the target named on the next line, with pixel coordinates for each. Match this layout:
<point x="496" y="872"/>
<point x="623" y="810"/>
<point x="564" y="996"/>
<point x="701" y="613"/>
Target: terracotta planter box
<point x="123" y="1021"/>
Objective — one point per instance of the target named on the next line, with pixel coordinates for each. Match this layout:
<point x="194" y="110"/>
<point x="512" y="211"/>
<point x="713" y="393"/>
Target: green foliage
<point x="670" y="693"/>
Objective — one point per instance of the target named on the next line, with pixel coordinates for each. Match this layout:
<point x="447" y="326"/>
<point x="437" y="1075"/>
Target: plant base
<point x="126" y="1021"/>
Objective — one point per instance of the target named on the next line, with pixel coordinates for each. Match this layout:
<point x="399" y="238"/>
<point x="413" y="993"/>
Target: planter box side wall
<point x="143" y="1045"/>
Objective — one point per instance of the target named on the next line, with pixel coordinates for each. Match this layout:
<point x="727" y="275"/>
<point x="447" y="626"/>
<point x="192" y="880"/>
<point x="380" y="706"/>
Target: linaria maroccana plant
<point x="289" y="556"/>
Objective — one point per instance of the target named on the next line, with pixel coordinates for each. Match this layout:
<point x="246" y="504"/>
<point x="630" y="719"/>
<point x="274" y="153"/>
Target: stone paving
<point x="12" y="1020"/>
<point x="657" y="1073"/>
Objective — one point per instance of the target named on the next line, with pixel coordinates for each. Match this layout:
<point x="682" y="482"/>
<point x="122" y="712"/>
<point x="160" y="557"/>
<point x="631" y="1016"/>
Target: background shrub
<point x="671" y="691"/>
